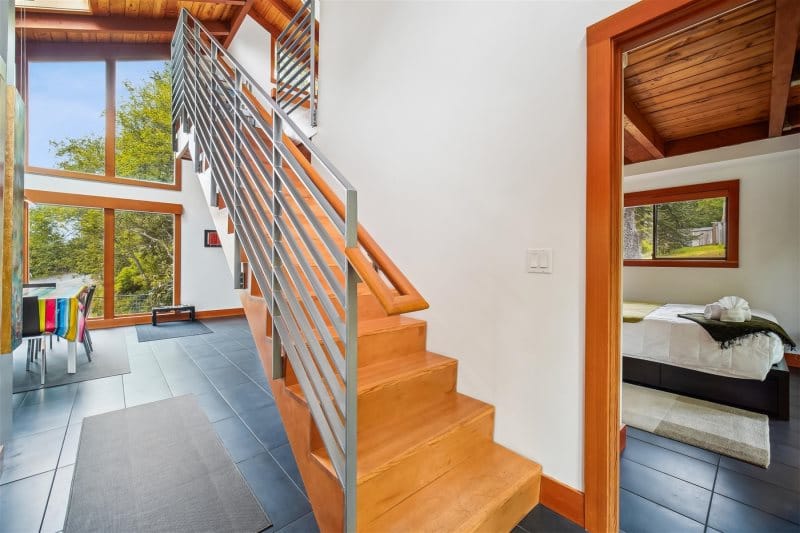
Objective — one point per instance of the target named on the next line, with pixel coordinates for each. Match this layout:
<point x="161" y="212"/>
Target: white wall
<point x="206" y="280"/>
<point x="769" y="236"/>
<point x="251" y="48"/>
<point x="462" y="124"/>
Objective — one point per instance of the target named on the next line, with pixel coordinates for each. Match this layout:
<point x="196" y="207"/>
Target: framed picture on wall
<point x="211" y="239"/>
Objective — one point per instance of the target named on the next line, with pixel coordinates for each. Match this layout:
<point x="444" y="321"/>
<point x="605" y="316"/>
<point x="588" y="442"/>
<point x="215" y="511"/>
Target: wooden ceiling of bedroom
<point x="732" y="79"/>
<point x="145" y="21"/>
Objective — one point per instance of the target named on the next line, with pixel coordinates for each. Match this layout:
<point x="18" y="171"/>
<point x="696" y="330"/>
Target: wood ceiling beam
<point x="636" y="126"/>
<point x="237" y="20"/>
<point x="113" y="24"/>
<point x="787" y="26"/>
<point x="717" y="139"/>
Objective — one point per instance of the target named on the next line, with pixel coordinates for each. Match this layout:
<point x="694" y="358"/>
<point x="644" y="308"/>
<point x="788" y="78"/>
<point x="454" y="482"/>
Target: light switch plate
<point x="539" y="261"/>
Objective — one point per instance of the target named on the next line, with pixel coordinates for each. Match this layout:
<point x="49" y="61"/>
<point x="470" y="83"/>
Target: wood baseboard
<point x="793" y="359"/>
<point x="563" y="499"/>
<point x="132" y="320"/>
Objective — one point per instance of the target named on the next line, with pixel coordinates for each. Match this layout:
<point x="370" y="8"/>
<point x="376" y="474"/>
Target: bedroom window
<point x="694" y="226"/>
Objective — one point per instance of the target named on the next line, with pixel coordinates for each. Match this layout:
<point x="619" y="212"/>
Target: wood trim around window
<point x="110" y="57"/>
<point x="103" y="202"/>
<point x="728" y="189"/>
<point x="109" y="206"/>
<point x="606" y="41"/>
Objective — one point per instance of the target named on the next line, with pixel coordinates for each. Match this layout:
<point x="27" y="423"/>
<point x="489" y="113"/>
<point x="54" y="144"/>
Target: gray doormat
<point x="110" y="358"/>
<point x="170" y="330"/>
<point x="727" y="430"/>
<point x="158" y="467"/>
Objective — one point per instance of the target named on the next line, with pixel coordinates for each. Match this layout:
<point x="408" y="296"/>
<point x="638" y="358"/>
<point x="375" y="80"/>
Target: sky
<point x="67" y="99"/>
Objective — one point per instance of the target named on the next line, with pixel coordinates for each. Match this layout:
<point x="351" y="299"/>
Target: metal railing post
<point x="312" y="89"/>
<point x="214" y="171"/>
<point x="277" y="162"/>
<point x="351" y="360"/>
<point x="195" y="80"/>
<point x="237" y="177"/>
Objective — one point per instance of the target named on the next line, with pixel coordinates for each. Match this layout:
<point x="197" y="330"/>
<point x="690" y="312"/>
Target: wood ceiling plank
<point x="103" y="8"/>
<point x="754" y="103"/>
<point x="116" y="7"/>
<point x="637" y="126"/>
<point x="746" y="94"/>
<point x="719" y="66"/>
<point x="731" y="52"/>
<point x="265" y="23"/>
<point x="159" y="8"/>
<point x="737" y="17"/>
<point x="713" y="70"/>
<point x="713" y="42"/>
<point x="732" y="118"/>
<point x="132" y="8"/>
<point x="716" y="85"/>
<point x="787" y="26"/>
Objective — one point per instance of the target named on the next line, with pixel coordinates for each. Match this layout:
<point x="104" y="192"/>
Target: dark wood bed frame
<point x="770" y="396"/>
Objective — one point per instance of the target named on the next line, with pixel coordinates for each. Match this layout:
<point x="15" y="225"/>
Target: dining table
<point x="60" y="314"/>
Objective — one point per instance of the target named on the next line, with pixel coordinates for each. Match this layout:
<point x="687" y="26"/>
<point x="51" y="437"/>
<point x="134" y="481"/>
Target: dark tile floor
<point x="669" y="486"/>
<point x="223" y="371"/>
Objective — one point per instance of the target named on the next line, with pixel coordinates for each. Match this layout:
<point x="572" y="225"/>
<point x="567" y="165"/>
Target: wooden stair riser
<point x="392" y="401"/>
<point x="389" y="486"/>
<point x="376" y="346"/>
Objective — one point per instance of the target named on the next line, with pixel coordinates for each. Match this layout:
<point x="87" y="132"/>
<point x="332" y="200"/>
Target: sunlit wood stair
<point x="426" y="456"/>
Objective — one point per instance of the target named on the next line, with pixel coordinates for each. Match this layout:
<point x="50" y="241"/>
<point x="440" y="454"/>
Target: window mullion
<point x="111" y="118"/>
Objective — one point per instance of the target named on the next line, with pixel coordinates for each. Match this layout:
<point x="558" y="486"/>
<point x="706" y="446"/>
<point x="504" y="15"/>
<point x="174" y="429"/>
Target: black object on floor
<point x="110" y="358"/>
<point x="172" y="310"/>
<point x="170" y="330"/>
<point x="158" y="467"/>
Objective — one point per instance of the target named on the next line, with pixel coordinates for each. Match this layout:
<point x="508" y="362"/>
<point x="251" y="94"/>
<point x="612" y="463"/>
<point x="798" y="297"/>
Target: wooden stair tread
<point x="380" y="374"/>
<point x="484" y="493"/>
<point x="381" y="446"/>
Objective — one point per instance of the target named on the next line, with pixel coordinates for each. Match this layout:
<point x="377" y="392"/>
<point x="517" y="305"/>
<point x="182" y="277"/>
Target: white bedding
<point x="666" y="338"/>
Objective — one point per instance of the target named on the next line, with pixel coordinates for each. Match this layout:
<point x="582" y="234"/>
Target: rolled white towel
<point x="713" y="311"/>
<point x="738" y="309"/>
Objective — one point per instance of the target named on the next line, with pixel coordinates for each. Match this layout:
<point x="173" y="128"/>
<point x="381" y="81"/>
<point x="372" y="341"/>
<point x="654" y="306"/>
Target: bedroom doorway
<point x="674" y="81"/>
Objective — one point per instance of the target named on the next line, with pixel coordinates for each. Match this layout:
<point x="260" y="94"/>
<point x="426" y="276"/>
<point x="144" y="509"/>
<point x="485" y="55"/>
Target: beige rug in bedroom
<point x="719" y="428"/>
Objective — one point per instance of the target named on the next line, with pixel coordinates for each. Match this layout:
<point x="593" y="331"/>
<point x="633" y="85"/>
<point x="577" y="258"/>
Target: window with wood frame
<point x="107" y="120"/>
<point x="689" y="226"/>
<point x="128" y="249"/>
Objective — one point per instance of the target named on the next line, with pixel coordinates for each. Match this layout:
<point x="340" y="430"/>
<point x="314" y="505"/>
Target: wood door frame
<point x="606" y="41"/>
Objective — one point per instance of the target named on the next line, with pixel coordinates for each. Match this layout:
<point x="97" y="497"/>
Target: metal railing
<point x="296" y="62"/>
<point x="291" y="231"/>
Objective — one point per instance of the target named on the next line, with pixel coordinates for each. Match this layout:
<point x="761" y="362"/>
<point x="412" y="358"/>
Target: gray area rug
<point x="727" y="430"/>
<point x="170" y="330"/>
<point x="158" y="467"/>
<point x="110" y="358"/>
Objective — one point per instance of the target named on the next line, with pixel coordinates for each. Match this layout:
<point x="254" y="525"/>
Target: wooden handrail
<point x="404" y="298"/>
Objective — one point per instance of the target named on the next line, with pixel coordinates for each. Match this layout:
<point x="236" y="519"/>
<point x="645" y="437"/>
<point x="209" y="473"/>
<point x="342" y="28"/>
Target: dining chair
<point x="32" y="334"/>
<point x="43" y="285"/>
<point x="87" y="308"/>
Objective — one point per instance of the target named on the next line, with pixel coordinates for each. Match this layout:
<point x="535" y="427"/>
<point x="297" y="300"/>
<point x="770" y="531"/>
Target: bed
<point x="662" y="350"/>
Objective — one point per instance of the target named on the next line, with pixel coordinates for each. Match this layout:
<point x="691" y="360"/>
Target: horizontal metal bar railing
<point x="295" y="59"/>
<point x="293" y="237"/>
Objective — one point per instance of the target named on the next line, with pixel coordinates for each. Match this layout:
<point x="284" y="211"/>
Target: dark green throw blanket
<point x="726" y="333"/>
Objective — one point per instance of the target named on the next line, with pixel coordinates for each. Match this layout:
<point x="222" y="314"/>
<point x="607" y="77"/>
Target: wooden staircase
<point x="425" y="458"/>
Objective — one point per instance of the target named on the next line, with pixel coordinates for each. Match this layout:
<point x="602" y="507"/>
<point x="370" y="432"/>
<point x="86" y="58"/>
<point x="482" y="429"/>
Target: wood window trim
<point x="110" y="205"/>
<point x="110" y="58"/>
<point x="606" y="41"/>
<point x="728" y="189"/>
